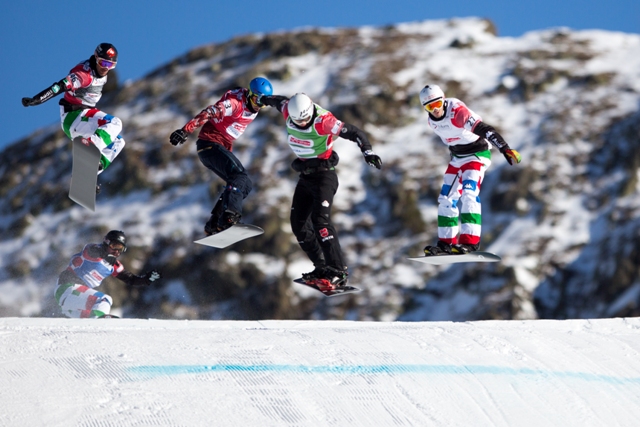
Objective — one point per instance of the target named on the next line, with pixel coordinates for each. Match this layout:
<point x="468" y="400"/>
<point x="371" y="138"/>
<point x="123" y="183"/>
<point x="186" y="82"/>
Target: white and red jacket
<point x="83" y="85"/>
<point x="456" y="128"/>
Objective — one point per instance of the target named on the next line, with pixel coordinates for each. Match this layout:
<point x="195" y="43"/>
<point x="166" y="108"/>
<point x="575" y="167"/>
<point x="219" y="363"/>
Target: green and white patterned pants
<point x="102" y="129"/>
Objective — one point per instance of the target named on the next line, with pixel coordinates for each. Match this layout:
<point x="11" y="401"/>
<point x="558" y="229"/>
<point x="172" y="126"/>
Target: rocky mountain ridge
<point x="565" y="221"/>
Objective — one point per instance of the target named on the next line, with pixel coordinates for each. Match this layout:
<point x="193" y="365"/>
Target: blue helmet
<point x="261" y="86"/>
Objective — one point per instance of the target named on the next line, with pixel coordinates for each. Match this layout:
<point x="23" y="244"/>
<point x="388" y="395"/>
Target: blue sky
<point x="42" y="40"/>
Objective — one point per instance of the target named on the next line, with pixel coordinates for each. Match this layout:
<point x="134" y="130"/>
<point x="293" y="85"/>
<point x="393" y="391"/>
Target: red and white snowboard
<point x="342" y="290"/>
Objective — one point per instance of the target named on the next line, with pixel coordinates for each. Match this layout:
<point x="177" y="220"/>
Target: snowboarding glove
<point x="178" y="137"/>
<point x="151" y="276"/>
<point x="372" y="159"/>
<point x="273" y="101"/>
<point x="28" y="102"/>
<point x="511" y="155"/>
<point x="110" y="259"/>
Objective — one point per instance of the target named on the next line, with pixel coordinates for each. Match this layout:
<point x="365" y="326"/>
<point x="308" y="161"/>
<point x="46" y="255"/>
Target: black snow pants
<point x="227" y="166"/>
<point x="311" y="218"/>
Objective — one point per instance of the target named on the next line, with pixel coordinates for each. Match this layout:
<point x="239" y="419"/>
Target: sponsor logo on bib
<point x="303" y="142"/>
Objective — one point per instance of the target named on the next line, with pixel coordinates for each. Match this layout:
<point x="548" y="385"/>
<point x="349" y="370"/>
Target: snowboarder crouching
<point x="79" y="116"/>
<point x="76" y="294"/>
<point x="222" y="123"/>
<point x="311" y="131"/>
<point x="468" y="138"/>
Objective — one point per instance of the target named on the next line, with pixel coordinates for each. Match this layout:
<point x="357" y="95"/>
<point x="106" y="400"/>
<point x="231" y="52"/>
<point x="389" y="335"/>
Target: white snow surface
<point x="137" y="372"/>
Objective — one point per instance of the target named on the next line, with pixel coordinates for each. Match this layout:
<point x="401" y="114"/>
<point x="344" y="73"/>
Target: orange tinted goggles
<point x="430" y="106"/>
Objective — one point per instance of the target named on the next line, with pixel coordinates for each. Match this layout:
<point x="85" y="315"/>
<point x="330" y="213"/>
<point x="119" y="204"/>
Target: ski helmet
<point x="261" y="86"/>
<point x="300" y="108"/>
<point x="115" y="236"/>
<point x="430" y="93"/>
<point x="107" y="51"/>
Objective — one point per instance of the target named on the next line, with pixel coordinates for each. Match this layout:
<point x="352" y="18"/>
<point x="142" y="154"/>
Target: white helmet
<point x="300" y="108"/>
<point x="430" y="93"/>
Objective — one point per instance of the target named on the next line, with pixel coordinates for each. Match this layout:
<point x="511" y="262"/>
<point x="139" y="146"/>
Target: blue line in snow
<point x="168" y="370"/>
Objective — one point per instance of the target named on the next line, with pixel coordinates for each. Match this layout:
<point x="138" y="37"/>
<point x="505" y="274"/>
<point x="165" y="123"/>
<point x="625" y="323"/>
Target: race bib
<point x="235" y="130"/>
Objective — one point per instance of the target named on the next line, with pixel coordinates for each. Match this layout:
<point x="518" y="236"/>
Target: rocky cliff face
<point x="565" y="221"/>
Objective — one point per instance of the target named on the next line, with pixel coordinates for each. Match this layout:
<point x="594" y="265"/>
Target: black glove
<point x="272" y="101"/>
<point x="178" y="137"/>
<point x="372" y="159"/>
<point x="27" y="102"/>
<point x="110" y="259"/>
<point x="151" y="276"/>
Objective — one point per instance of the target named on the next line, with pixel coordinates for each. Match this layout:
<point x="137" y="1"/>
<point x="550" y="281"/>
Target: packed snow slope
<point x="565" y="221"/>
<point x="135" y="372"/>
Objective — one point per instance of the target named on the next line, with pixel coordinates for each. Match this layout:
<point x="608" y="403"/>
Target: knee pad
<point x="115" y="121"/>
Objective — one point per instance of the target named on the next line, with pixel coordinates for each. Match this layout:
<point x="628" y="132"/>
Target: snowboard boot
<point x="228" y="219"/>
<point x="331" y="278"/>
<point x="464" y="248"/>
<point x="440" y="248"/>
<point x="313" y="275"/>
<point x="98" y="189"/>
<point x="211" y="227"/>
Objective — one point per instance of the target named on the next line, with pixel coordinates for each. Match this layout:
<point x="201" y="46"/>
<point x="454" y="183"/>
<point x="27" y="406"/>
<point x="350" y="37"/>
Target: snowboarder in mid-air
<point x="469" y="140"/>
<point x="222" y="123"/>
<point x="311" y="131"/>
<point x="79" y="116"/>
<point x="75" y="292"/>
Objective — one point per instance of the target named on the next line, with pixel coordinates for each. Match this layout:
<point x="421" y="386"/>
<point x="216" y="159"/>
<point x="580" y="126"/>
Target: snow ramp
<point x="135" y="372"/>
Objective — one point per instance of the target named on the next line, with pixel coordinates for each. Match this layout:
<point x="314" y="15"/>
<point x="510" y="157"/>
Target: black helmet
<point x="115" y="236"/>
<point x="107" y="51"/>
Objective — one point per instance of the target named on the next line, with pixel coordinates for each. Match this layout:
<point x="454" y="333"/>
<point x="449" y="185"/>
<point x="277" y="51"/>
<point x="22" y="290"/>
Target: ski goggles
<point x="301" y="123"/>
<point x="115" y="246"/>
<point x="255" y="99"/>
<point x="105" y="63"/>
<point x="430" y="106"/>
